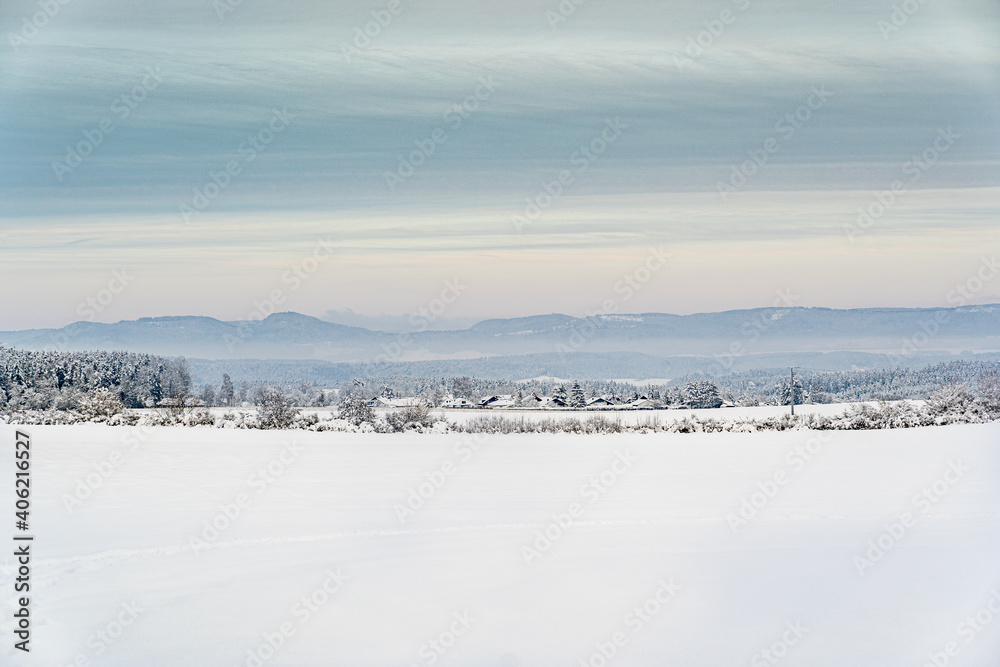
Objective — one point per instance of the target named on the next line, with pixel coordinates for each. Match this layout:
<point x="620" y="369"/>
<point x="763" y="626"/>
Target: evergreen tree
<point x="577" y="398"/>
<point x="817" y="395"/>
<point x="244" y="394"/>
<point x="784" y="394"/>
<point x="227" y="393"/>
<point x="702" y="394"/>
<point x="208" y="395"/>
<point x="462" y="387"/>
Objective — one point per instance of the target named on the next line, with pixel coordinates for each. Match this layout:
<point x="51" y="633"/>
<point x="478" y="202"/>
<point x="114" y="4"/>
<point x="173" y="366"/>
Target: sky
<point x="493" y="159"/>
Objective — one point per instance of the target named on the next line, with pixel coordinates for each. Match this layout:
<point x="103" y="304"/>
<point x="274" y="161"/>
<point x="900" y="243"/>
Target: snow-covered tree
<point x="784" y="394"/>
<point x="988" y="390"/>
<point x="227" y="393"/>
<point x="208" y="395"/>
<point x="817" y="395"/>
<point x="702" y="394"/>
<point x="577" y="398"/>
<point x="462" y="388"/>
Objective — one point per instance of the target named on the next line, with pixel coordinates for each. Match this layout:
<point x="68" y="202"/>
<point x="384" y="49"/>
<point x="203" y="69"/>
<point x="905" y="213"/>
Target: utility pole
<point x="791" y="389"/>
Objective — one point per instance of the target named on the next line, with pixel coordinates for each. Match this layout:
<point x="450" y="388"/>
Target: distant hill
<point x="582" y="366"/>
<point x="740" y="333"/>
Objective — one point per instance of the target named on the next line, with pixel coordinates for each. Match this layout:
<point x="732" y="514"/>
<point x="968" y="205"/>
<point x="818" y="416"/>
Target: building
<point x="500" y="401"/>
<point x="458" y="403"/>
<point x="383" y="402"/>
<point x="599" y="402"/>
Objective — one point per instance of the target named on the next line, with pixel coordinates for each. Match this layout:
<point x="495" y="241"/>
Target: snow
<point x="639" y="416"/>
<point x="457" y="563"/>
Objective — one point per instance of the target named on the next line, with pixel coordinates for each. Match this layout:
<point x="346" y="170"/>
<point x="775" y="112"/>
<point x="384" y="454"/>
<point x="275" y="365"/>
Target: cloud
<point x="354" y="120"/>
<point x="692" y="117"/>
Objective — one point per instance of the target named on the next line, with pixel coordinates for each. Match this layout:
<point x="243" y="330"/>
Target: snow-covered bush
<point x="602" y="424"/>
<point x="274" y="411"/>
<point x="410" y="418"/>
<point x="356" y="411"/>
<point x="951" y="399"/>
<point x="200" y="417"/>
<point x="100" y="405"/>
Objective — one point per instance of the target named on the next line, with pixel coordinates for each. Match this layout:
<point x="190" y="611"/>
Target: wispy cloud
<point x="353" y="119"/>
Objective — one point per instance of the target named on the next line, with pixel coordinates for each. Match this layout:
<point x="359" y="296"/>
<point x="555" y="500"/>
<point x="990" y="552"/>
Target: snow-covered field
<point x="646" y="416"/>
<point x="647" y="559"/>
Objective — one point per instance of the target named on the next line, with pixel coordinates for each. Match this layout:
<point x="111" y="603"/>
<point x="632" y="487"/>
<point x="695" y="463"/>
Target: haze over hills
<point x="857" y="337"/>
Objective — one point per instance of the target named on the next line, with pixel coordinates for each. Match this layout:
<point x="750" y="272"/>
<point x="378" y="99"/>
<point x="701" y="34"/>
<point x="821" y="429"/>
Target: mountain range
<point x="724" y="336"/>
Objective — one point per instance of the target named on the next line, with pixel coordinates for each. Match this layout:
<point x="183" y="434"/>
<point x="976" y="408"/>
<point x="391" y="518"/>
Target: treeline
<point x="770" y="386"/>
<point x="64" y="380"/>
<point x="952" y="404"/>
<point x="747" y="388"/>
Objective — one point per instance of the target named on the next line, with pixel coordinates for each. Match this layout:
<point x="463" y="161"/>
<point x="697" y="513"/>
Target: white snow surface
<point x="329" y="510"/>
<point x="633" y="417"/>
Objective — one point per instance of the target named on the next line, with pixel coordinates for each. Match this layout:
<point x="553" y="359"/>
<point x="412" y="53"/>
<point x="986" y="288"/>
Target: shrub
<point x="274" y="411"/>
<point x="101" y="404"/>
<point x="356" y="411"/>
<point x="951" y="399"/>
<point x="200" y="417"/>
<point x="416" y="417"/>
